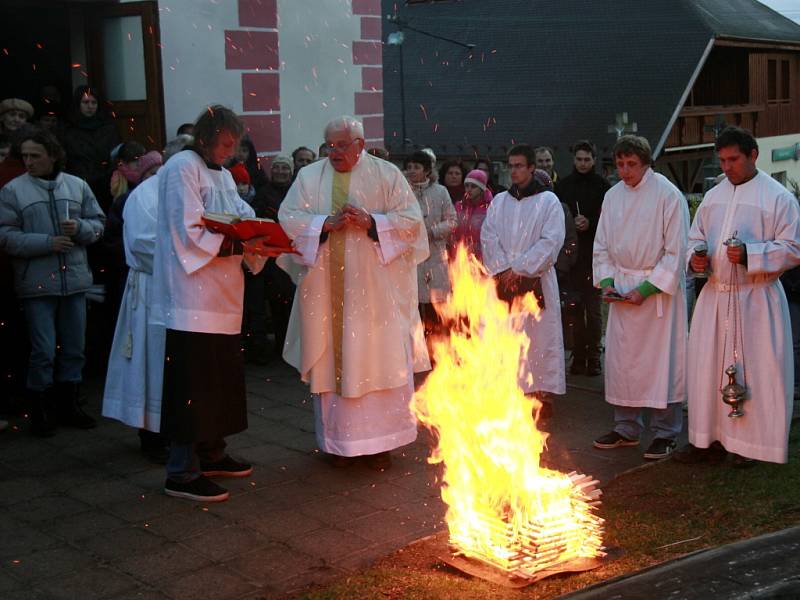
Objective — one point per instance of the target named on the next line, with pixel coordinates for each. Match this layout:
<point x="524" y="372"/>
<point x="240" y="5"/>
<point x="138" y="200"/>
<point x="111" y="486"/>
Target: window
<point x="780" y="177"/>
<point x="779" y="81"/>
<point x="785" y="80"/>
<point x="772" y="80"/>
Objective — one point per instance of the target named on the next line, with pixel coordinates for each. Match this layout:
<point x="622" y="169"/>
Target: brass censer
<point x="733" y="394"/>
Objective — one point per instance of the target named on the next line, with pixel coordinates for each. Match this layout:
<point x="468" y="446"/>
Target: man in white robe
<point x="198" y="291"/>
<point x="354" y="333"/>
<point x="521" y="238"/>
<point x="638" y="260"/>
<point x="753" y="207"/>
<point x="136" y="363"/>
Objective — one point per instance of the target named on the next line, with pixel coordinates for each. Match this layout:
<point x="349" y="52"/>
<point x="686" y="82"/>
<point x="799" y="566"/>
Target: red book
<point x="248" y="228"/>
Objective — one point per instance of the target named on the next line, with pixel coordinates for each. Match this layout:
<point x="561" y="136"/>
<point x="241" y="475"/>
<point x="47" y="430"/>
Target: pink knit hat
<point x="148" y="161"/>
<point x="477" y="177"/>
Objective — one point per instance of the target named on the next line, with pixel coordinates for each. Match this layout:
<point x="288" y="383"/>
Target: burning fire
<point x="503" y="507"/>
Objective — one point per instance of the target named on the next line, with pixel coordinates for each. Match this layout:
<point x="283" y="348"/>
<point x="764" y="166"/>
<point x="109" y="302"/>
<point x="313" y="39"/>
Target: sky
<point x="788" y="8"/>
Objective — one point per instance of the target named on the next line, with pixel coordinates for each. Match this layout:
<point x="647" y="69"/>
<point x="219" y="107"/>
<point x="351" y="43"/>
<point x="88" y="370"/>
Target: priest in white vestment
<point x="638" y="261"/>
<point x="759" y="211"/>
<point x="354" y="333"/>
<point x="521" y="238"/>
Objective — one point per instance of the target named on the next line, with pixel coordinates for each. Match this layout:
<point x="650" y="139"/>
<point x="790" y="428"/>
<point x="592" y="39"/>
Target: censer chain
<point x="733" y="313"/>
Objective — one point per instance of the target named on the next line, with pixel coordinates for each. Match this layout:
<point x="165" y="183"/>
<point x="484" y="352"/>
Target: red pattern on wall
<point x="255" y="50"/>
<point x="368" y="55"/>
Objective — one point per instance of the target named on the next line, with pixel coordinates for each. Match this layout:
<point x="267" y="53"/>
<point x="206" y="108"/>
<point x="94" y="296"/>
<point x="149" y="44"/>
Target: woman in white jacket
<point x="433" y="281"/>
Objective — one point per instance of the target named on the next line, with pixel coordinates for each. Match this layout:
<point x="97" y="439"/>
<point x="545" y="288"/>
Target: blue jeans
<point x="184" y="460"/>
<point x="666" y="423"/>
<point x="55" y="321"/>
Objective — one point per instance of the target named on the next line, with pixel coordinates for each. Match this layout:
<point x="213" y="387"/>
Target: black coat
<point x="583" y="194"/>
<point x="88" y="144"/>
<point x="268" y="200"/>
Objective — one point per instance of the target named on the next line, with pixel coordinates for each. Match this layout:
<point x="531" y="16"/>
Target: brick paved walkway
<point x="82" y="514"/>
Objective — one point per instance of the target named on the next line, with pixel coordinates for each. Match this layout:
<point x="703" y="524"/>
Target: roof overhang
<point x="695" y="74"/>
<point x="733" y="42"/>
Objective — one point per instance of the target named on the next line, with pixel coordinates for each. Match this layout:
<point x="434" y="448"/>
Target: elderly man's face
<point x="344" y="150"/>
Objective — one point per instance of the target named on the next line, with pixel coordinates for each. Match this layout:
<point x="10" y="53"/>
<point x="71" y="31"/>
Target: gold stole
<point x="336" y="241"/>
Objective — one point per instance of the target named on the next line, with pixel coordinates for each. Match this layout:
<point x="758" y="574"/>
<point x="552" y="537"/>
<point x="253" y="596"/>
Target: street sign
<point x="788" y="153"/>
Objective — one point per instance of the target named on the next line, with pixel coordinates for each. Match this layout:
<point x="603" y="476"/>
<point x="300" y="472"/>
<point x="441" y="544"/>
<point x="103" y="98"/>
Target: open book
<point x="247" y="228"/>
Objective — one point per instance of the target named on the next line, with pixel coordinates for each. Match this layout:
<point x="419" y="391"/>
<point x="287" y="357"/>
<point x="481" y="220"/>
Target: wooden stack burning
<point x="543" y="542"/>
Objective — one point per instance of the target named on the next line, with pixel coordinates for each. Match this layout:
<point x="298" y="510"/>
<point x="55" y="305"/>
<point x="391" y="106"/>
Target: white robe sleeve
<point x="494" y="257"/>
<point x="782" y="253"/>
<point x="697" y="234"/>
<point x="602" y="266"/>
<point x="543" y="254"/>
<point x="669" y="270"/>
<point x="194" y="245"/>
<point x="139" y="233"/>
<point x="307" y="244"/>
<point x="390" y="244"/>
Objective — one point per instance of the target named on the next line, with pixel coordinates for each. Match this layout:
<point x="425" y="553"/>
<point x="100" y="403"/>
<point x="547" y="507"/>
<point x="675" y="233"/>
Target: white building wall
<point x="791" y="168"/>
<point x="193" y="58"/>
<point x="317" y="78"/>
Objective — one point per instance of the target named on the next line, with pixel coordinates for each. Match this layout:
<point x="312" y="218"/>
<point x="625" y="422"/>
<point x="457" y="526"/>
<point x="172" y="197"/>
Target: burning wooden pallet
<point x="539" y="548"/>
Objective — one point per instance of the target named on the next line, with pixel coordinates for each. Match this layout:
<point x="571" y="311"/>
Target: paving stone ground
<point x="83" y="515"/>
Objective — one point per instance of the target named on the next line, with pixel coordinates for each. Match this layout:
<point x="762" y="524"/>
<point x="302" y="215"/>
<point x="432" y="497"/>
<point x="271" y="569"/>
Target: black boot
<point x="43" y="418"/>
<point x="154" y="446"/>
<point x="70" y="412"/>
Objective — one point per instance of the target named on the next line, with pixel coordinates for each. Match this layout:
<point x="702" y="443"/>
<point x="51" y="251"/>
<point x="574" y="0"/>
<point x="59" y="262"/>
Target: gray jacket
<point x="31" y="210"/>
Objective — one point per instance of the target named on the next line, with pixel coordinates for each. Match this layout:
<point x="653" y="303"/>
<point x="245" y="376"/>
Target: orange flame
<point x="499" y="498"/>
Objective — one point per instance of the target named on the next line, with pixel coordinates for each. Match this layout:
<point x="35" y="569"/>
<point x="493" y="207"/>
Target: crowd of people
<point x="354" y="307"/>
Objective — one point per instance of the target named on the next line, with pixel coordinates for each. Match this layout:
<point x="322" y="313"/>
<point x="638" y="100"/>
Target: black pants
<point x="254" y="319"/>
<point x="587" y="320"/>
<point x="280" y="295"/>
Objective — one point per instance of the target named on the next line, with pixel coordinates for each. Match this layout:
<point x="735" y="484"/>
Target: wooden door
<point x="122" y="46"/>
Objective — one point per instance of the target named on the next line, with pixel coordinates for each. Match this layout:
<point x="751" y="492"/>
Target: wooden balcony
<point x="694" y="125"/>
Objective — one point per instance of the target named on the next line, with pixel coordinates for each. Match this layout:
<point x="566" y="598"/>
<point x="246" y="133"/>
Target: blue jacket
<point x="31" y="210"/>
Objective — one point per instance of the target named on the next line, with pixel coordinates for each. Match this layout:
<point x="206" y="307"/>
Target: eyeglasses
<point x="341" y="146"/>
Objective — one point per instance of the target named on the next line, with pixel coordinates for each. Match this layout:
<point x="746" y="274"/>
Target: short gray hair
<point x="351" y="125"/>
<point x="176" y="145"/>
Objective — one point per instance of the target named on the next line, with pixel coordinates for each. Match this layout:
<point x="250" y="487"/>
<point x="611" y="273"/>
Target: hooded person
<point x="242" y="180"/>
<point x="471" y="213"/>
<point x="521" y="238"/>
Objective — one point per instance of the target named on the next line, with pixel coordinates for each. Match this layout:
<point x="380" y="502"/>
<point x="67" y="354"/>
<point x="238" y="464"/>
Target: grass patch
<point x="646" y="513"/>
